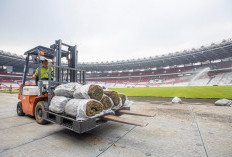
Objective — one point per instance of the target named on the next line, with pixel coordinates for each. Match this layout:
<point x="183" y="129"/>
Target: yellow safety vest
<point x="44" y="72"/>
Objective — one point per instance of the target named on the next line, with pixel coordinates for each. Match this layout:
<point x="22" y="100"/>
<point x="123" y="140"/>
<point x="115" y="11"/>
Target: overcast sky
<point x="106" y="30"/>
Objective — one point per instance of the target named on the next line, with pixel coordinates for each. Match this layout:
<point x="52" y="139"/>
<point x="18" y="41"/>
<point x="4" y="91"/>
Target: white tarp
<point x="66" y="90"/>
<point x="128" y="103"/>
<point x="81" y="91"/>
<point x="176" y="100"/>
<point x="58" y="104"/>
<point x="223" y="102"/>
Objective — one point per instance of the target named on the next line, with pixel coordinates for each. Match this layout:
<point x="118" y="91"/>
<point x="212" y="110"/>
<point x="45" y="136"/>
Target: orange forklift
<point x="35" y="98"/>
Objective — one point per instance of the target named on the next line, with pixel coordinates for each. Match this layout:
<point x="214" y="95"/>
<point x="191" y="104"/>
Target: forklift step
<point x="136" y="113"/>
<point x="124" y="120"/>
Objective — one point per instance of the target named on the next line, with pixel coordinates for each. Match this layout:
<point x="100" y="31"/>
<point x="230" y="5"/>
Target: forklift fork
<point x="124" y="120"/>
<point x="120" y="112"/>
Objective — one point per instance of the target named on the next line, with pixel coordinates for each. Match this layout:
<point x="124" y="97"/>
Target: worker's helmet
<point x="42" y="58"/>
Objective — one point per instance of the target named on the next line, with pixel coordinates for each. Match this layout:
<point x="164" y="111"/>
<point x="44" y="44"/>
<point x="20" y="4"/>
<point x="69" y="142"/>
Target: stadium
<point x="209" y="65"/>
<point x="108" y="78"/>
<point x="204" y="72"/>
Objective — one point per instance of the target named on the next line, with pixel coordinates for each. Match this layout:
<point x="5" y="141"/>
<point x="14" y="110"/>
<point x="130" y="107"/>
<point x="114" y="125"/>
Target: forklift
<point x="35" y="97"/>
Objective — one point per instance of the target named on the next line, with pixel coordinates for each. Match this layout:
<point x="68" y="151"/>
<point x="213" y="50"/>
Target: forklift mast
<point x="71" y="56"/>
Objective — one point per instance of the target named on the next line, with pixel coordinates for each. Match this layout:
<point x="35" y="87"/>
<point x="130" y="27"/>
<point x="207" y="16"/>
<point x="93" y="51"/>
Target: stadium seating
<point x="153" y="71"/>
<point x="169" y="77"/>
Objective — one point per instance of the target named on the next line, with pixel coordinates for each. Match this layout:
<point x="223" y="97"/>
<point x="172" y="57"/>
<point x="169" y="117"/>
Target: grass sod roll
<point x="123" y="97"/>
<point x="106" y="102"/>
<point x="93" y="108"/>
<point x="114" y="96"/>
<point x="95" y="92"/>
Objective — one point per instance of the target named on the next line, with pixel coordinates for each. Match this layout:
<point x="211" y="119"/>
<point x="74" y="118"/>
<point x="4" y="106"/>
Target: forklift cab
<point x="35" y="98"/>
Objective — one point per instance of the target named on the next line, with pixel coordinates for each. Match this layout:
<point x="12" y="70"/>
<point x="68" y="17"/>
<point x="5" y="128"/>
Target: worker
<point x="10" y="89"/>
<point x="44" y="71"/>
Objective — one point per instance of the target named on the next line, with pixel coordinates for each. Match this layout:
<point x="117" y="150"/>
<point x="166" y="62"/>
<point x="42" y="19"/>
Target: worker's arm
<point x="35" y="74"/>
<point x="52" y="72"/>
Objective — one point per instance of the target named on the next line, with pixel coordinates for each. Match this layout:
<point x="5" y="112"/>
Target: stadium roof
<point x="9" y="59"/>
<point x="210" y="53"/>
<point x="204" y="53"/>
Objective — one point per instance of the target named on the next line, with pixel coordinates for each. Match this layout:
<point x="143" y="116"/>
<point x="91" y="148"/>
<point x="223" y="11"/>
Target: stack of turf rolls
<point x="117" y="98"/>
<point x="85" y="101"/>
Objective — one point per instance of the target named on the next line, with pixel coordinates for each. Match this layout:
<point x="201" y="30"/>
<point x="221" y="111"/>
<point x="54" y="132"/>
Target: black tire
<point x="19" y="109"/>
<point x="39" y="113"/>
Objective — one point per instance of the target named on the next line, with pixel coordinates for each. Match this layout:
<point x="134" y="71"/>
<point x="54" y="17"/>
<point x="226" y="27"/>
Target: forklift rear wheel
<point x="20" y="109"/>
<point x="39" y="113"/>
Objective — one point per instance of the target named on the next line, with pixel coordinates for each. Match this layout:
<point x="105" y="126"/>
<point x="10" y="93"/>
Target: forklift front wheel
<point x="39" y="113"/>
<point x="20" y="109"/>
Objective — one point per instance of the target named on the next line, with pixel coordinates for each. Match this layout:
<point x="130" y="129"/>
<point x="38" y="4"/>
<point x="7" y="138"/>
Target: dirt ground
<point x="194" y="128"/>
